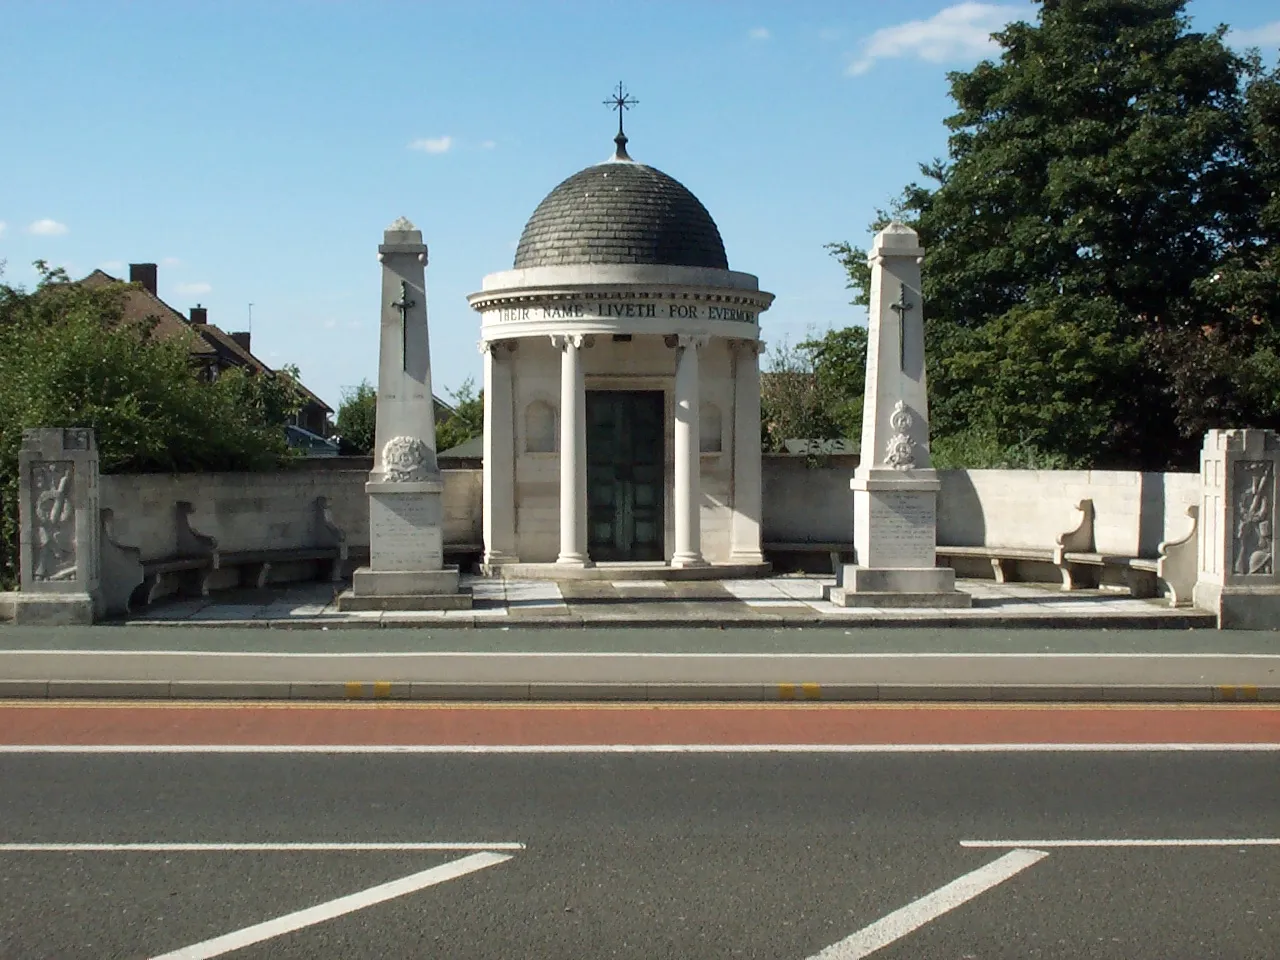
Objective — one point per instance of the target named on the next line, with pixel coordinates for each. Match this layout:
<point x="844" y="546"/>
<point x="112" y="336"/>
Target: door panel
<point x="624" y="475"/>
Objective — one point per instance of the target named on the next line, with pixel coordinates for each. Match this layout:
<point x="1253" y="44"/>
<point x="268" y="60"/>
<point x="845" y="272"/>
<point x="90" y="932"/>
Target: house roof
<point x="207" y="341"/>
<point x="140" y="305"/>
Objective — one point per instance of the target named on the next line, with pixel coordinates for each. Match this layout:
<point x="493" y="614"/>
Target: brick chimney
<point x="145" y="274"/>
<point x="199" y="314"/>
<point x="242" y="338"/>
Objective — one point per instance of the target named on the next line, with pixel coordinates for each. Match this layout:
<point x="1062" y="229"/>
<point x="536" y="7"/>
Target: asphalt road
<point x="644" y="856"/>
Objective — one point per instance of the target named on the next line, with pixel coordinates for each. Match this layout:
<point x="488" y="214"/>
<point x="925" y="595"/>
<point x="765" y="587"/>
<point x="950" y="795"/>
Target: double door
<point x="625" y="458"/>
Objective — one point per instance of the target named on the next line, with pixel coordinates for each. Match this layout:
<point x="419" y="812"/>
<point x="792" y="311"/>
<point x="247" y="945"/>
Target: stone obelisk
<point x="406" y="520"/>
<point x="895" y="490"/>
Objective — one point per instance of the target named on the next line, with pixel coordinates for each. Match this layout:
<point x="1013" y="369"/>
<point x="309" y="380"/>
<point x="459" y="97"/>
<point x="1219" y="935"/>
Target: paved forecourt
<point x="901" y="852"/>
<point x="779" y="600"/>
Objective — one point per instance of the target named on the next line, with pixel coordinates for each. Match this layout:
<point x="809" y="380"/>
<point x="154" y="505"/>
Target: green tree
<point x="813" y="390"/>
<point x="357" y="420"/>
<point x="67" y="359"/>
<point x="1113" y="167"/>
<point x="467" y="420"/>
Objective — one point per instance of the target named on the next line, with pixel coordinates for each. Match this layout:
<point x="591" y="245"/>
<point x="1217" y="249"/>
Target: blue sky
<point x="256" y="150"/>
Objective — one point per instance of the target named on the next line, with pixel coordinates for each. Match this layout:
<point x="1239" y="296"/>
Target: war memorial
<point x="621" y="360"/>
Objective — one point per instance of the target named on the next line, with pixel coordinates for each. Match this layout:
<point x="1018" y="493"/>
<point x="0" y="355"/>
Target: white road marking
<point x="335" y="908"/>
<point x="1189" y="842"/>
<point x="464" y="748"/>
<point x="929" y="907"/>
<point x="245" y="847"/>
<point x="610" y="654"/>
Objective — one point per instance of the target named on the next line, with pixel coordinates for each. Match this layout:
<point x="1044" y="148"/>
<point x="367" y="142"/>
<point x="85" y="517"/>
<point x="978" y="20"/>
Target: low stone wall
<point x="1002" y="508"/>
<point x="256" y="511"/>
<point x="1133" y="511"/>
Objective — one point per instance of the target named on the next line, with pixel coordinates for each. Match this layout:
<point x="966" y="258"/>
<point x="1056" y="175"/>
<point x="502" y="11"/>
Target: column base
<point x="405" y="590"/>
<point x="746" y="556"/>
<point x="684" y="560"/>
<point x="897" y="587"/>
<point x="579" y="560"/>
<point x="53" y="609"/>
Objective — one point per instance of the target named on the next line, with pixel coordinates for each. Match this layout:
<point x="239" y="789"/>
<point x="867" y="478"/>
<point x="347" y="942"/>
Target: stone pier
<point x="895" y="490"/>
<point x="406" y="544"/>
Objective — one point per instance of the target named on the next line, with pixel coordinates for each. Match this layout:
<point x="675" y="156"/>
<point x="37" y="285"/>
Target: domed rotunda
<point x="621" y="386"/>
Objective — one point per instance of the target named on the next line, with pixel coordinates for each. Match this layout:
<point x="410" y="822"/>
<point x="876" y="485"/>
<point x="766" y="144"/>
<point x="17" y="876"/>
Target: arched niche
<point x="710" y="428"/>
<point x="539" y="427"/>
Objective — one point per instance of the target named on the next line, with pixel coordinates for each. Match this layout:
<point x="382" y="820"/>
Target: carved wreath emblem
<point x="405" y="460"/>
<point x="900" y="453"/>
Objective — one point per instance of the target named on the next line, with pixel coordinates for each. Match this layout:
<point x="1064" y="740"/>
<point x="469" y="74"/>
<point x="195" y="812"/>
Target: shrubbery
<point x="67" y="360"/>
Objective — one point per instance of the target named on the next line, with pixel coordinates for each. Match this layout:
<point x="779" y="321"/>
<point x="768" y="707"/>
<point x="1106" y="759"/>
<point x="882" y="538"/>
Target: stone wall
<point x="1005" y="508"/>
<point x="249" y="511"/>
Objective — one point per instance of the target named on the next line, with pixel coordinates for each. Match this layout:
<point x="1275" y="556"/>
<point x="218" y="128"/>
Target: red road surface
<point x="396" y="724"/>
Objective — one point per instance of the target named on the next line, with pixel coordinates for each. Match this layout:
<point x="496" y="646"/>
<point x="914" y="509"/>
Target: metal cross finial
<point x="403" y="305"/>
<point x="900" y="308"/>
<point x="621" y="101"/>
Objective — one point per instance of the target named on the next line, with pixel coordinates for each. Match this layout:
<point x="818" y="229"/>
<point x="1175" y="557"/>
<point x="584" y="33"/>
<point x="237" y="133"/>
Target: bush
<point x="67" y="360"/>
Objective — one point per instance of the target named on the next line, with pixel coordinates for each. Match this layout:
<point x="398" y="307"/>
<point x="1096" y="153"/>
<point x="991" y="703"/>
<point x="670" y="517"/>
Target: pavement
<point x="736" y="640"/>
<point x="827" y="856"/>
<point x="795" y="600"/>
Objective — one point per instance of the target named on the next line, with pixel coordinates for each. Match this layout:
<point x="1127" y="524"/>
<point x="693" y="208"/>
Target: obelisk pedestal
<point x="895" y="490"/>
<point x="406" y="519"/>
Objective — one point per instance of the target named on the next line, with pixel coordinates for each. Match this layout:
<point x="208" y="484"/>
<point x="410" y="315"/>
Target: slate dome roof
<point x="621" y="212"/>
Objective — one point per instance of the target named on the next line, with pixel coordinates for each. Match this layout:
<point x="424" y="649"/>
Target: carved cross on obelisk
<point x="901" y="308"/>
<point x="403" y="305"/>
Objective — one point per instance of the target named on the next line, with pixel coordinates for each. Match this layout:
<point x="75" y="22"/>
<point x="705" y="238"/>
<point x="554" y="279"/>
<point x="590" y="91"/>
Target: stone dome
<point x="621" y="212"/>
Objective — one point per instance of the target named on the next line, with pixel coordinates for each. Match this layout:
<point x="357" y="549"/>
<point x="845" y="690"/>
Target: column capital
<point x="491" y="346"/>
<point x="756" y="347"/>
<point x="683" y="340"/>
<point x="578" y="341"/>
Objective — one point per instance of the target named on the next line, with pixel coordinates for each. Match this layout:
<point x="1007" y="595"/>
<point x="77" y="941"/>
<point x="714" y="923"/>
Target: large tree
<point x="1101" y="271"/>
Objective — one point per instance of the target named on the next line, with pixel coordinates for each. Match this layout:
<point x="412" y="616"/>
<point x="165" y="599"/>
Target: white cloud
<point x="432" y="144"/>
<point x="488" y="144"/>
<point x="1267" y="35"/>
<point x="112" y="266"/>
<point x="191" y="289"/>
<point x="47" y="228"/>
<point x="759" y="33"/>
<point x="2" y="226"/>
<point x="170" y="262"/>
<point x="330" y="324"/>
<point x="959" y="32"/>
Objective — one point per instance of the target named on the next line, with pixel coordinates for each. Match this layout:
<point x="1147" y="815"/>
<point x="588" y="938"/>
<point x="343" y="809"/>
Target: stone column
<point x="1240" y="481"/>
<point x="688" y="460"/>
<point x="406" y="523"/>
<point x="573" y="452"/>
<point x="58" y="517"/>
<point x="895" y="488"/>
<point x="499" y="508"/>
<point x="747" y="503"/>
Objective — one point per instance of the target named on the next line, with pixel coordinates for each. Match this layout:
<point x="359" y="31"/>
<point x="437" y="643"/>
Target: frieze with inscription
<point x="621" y="310"/>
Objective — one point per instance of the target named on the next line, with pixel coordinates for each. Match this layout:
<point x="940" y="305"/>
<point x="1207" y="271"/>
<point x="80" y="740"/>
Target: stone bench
<point x="130" y="583"/>
<point x="1002" y="559"/>
<point x="835" y="550"/>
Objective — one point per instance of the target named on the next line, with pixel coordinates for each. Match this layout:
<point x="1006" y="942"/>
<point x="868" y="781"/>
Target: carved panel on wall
<point x="1254" y="483"/>
<point x="54" y="515"/>
<point x="539" y="427"/>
